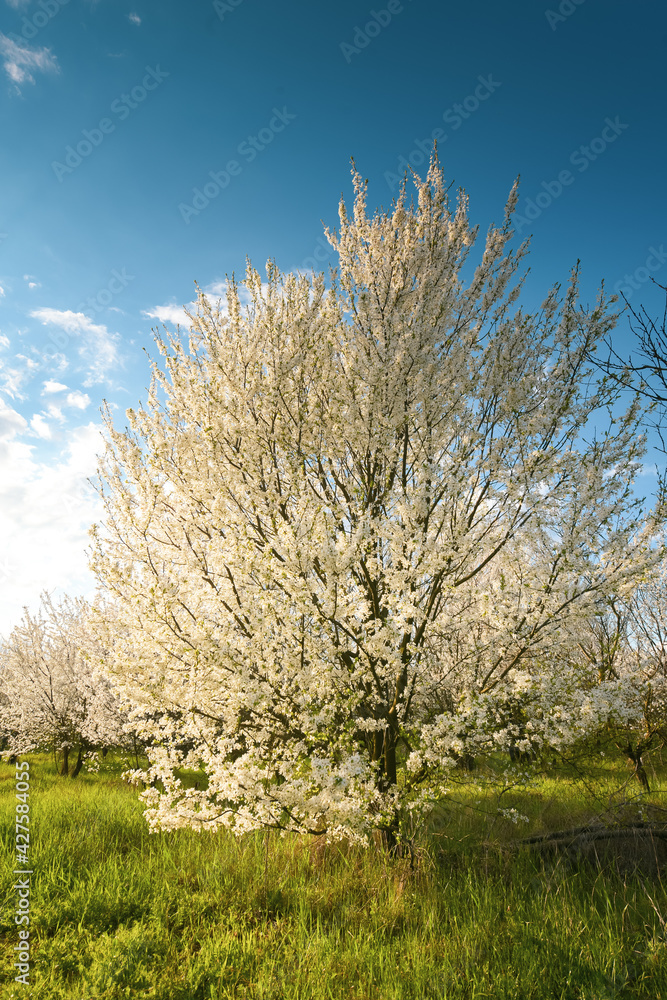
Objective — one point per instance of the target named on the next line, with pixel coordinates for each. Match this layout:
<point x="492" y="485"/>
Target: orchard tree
<point x="54" y="694"/>
<point x="624" y="643"/>
<point x="351" y="523"/>
<point x="647" y="664"/>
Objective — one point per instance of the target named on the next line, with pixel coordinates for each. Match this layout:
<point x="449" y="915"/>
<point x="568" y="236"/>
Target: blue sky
<point x="148" y="145"/>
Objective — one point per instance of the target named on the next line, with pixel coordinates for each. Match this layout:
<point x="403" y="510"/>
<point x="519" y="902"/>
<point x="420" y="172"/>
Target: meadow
<point x="117" y="912"/>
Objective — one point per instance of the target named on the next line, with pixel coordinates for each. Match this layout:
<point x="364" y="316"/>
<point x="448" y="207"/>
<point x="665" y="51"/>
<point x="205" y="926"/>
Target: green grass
<point x="117" y="912"/>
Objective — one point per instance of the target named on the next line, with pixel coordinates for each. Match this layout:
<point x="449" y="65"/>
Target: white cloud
<point x="75" y="400"/>
<point x="46" y="506"/>
<point x="15" y="372"/>
<point x="4" y="341"/>
<point x="2" y="292"/>
<point x="168" y="314"/>
<point x="67" y="320"/>
<point x="12" y="379"/>
<point x="79" y="400"/>
<point x="19" y="61"/>
<point x="134" y="18"/>
<point x="40" y="427"/>
<point x="55" y="413"/>
<point x="96" y="346"/>
<point x="11" y="422"/>
<point x="34" y="284"/>
<point x="51" y="386"/>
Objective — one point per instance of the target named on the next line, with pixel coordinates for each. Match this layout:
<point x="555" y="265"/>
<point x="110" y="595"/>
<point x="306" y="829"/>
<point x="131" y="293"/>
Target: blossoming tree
<point x="645" y="662"/>
<point x="352" y="521"/>
<point x="55" y="695"/>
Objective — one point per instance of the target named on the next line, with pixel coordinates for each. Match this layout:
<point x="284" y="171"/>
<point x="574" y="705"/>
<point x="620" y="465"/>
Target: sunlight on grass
<point x="118" y="912"/>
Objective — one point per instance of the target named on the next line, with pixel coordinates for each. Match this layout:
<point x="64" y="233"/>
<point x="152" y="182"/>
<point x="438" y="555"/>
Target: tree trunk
<point x="522" y="756"/>
<point x="384" y="753"/>
<point x="634" y="755"/>
<point x="635" y="759"/>
<point x="465" y="762"/>
<point x="388" y="836"/>
<point x="79" y="762"/>
<point x="64" y="770"/>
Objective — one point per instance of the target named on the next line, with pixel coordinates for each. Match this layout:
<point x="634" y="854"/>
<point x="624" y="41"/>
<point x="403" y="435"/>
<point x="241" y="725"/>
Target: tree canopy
<point x="354" y="522"/>
<point x="54" y="691"/>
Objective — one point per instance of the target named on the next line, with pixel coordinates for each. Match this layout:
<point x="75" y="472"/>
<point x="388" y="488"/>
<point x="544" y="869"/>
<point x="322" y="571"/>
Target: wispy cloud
<point x="134" y="18"/>
<point x="74" y="400"/>
<point x="21" y="61"/>
<point x="95" y="345"/>
<point x="68" y="320"/>
<point x="168" y="314"/>
<point x="12" y="376"/>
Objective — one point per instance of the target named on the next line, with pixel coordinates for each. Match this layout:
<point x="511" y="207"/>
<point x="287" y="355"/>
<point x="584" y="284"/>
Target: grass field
<point x="117" y="912"/>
